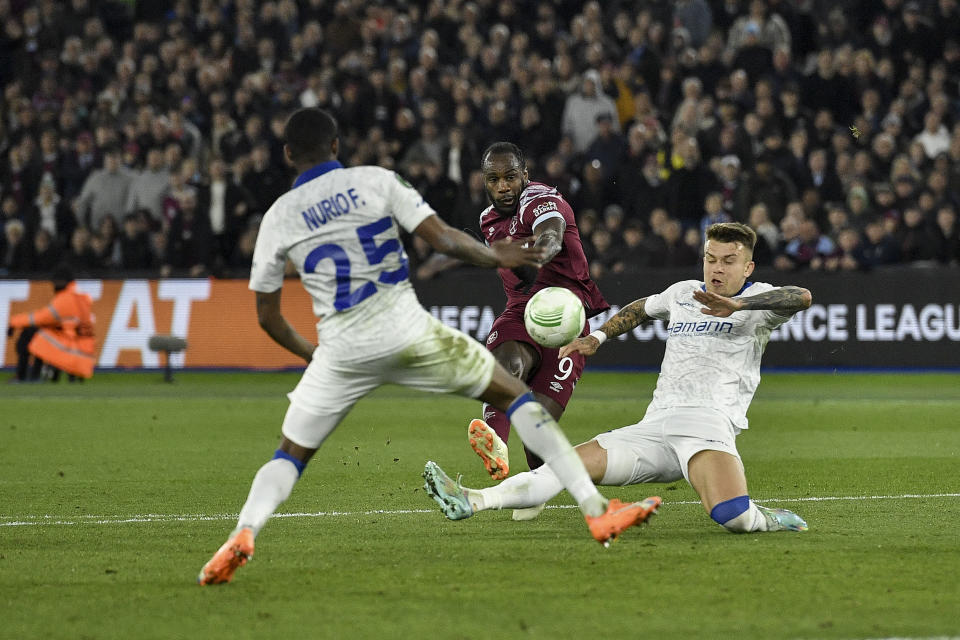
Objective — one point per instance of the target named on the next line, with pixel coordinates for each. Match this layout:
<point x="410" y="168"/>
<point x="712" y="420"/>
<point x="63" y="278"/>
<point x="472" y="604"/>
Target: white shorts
<point x="659" y="447"/>
<point x="439" y="360"/>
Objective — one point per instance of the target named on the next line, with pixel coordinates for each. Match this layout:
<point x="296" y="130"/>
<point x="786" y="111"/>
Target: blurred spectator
<point x="135" y="253"/>
<point x="149" y="186"/>
<point x="242" y="258"/>
<point x="189" y="246"/>
<point x="608" y="147"/>
<point x="769" y="30"/>
<point x="461" y="155"/>
<point x="809" y="248"/>
<point x="595" y="192"/>
<point x="227" y="205"/>
<point x="689" y="184"/>
<point x="934" y="138"/>
<point x="601" y="252"/>
<point x="858" y="204"/>
<point x="15" y="250"/>
<point x="771" y="186"/>
<point x="582" y="108"/>
<point x="713" y="212"/>
<point x="634" y="253"/>
<point x="838" y="219"/>
<point x="822" y="177"/>
<point x="849" y="254"/>
<point x="264" y="181"/>
<point x="885" y="199"/>
<point x="105" y="192"/>
<point x="945" y="236"/>
<point x="670" y="248"/>
<point x="51" y="213"/>
<point x="767" y="234"/>
<point x="46" y="252"/>
<point x="879" y="247"/>
<point x="914" y="236"/>
<point x="639" y="186"/>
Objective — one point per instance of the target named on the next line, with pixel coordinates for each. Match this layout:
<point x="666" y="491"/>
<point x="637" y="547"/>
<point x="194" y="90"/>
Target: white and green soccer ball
<point x="554" y="317"/>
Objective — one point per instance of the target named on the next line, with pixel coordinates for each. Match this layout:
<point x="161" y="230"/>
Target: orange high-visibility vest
<point x="65" y="336"/>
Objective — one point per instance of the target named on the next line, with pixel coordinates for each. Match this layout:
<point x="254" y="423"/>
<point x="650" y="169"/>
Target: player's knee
<point x="514" y="366"/>
<point x="733" y="514"/>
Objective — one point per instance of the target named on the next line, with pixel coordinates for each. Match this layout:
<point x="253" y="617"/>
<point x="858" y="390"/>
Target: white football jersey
<point x="340" y="229"/>
<point x="709" y="361"/>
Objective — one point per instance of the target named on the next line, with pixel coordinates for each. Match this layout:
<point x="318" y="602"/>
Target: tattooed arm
<point x="784" y="301"/>
<point x="548" y="237"/>
<point x="629" y="317"/>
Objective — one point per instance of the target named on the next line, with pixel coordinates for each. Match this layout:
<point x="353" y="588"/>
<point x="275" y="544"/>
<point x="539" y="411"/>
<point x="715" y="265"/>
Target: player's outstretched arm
<point x="784" y="301"/>
<point x="629" y="317"/>
<point x="272" y="321"/>
<point x="457" y="244"/>
<point x="549" y="237"/>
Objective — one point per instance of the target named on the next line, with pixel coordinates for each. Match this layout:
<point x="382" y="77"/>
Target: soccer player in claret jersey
<point x="534" y="213"/>
<point x="340" y="228"/>
<point x="716" y="333"/>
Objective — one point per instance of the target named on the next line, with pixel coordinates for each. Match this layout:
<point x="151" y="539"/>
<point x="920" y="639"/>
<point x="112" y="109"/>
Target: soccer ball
<point x="554" y="317"/>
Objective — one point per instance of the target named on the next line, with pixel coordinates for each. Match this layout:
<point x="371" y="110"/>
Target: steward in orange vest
<point x="63" y="330"/>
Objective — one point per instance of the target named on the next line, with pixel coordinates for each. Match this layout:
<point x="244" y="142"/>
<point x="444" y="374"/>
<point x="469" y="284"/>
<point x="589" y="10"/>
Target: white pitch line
<point x="49" y="520"/>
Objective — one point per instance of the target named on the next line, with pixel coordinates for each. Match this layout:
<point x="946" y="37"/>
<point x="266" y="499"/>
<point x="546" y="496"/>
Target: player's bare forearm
<point x="276" y="326"/>
<point x="457" y="244"/>
<point x="551" y="241"/>
<point x="629" y="317"/>
<point x="784" y="301"/>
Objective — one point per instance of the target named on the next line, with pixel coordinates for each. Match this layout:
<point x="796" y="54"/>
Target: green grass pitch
<point x="115" y="492"/>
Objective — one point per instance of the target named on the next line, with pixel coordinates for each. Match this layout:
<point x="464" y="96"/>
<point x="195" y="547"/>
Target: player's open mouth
<point x="716" y="283"/>
<point x="506" y="201"/>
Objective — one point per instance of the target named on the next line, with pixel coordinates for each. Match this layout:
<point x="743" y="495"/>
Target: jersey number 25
<point x="345" y="298"/>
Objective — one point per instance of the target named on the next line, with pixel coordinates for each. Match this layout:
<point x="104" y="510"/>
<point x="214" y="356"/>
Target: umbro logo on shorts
<point x="556" y="387"/>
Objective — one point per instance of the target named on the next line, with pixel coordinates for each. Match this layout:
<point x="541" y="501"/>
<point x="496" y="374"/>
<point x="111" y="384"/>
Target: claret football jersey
<point x="568" y="269"/>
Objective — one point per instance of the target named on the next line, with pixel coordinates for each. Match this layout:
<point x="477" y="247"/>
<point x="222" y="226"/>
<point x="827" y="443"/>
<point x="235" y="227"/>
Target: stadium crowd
<point x="143" y="137"/>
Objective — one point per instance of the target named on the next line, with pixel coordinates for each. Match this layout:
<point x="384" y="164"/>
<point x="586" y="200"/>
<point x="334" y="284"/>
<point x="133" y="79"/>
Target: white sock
<point x="521" y="491"/>
<point x="750" y="520"/>
<point x="271" y="486"/>
<point x="541" y="434"/>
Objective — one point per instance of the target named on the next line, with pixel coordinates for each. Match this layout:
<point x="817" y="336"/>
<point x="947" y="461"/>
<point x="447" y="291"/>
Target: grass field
<point x="115" y="492"/>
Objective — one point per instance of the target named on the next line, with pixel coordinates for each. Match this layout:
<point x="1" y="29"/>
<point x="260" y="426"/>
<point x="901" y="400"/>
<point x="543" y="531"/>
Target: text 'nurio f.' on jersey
<point x="340" y="229"/>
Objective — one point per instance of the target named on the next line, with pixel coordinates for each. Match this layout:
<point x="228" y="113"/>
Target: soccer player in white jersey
<point x="717" y="331"/>
<point x="340" y="228"/>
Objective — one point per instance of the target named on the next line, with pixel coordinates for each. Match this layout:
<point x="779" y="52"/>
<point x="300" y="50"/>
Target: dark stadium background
<point x="831" y="127"/>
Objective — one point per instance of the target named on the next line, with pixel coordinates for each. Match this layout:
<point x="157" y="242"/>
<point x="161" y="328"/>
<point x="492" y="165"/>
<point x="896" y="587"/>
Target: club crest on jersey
<point x="490" y="231"/>
<point x="492" y="337"/>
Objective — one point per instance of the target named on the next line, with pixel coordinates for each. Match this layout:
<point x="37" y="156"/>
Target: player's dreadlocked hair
<point x="309" y="133"/>
<point x="505" y="147"/>
<point x="733" y="232"/>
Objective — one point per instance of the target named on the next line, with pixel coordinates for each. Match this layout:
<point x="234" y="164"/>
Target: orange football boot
<point x="234" y="553"/>
<point x="491" y="449"/>
<point x="619" y="517"/>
